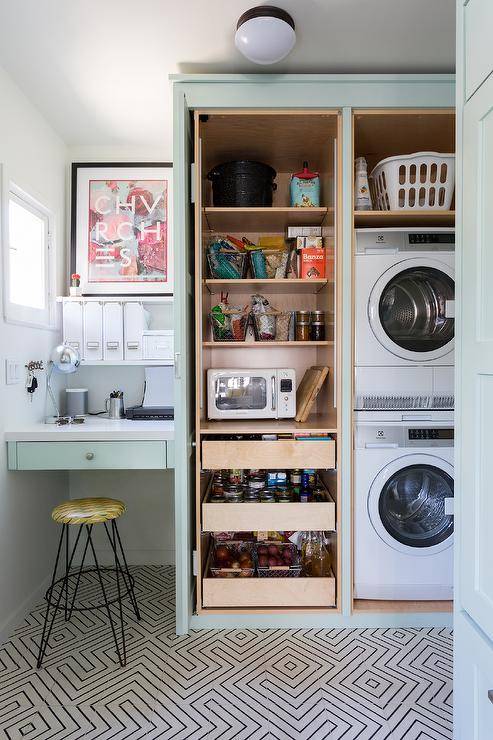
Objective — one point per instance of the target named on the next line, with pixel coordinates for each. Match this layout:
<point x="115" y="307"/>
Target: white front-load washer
<point x="403" y="511"/>
<point x="404" y="319"/>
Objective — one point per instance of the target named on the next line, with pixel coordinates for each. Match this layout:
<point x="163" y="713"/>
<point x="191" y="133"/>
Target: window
<point x="29" y="230"/>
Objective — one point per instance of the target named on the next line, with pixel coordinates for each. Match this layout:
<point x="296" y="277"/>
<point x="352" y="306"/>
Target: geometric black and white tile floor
<point x="370" y="684"/>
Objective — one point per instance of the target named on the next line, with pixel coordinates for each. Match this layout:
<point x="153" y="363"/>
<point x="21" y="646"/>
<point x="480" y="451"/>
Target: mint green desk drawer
<point x="124" y="455"/>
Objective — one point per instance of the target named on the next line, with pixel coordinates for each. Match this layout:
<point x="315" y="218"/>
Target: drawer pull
<point x="112" y="345"/>
<point x="92" y="345"/>
<point x="89" y="455"/>
<point x="132" y="345"/>
<point x="490" y="695"/>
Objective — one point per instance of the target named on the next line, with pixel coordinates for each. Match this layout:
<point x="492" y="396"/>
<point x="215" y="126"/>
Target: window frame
<point x="16" y="313"/>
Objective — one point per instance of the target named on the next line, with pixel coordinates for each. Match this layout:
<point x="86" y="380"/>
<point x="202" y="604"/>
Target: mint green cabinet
<point x="273" y="92"/>
<point x="121" y="455"/>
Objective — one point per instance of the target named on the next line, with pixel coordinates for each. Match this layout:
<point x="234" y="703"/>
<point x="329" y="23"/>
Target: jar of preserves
<point x="235" y="476"/>
<point x="302" y="326"/>
<point x="233" y="494"/>
<point x="317" y="326"/>
<point x="295" y="477"/>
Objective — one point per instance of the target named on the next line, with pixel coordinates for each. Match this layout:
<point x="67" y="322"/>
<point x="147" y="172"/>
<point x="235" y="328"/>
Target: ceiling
<point x="98" y="69"/>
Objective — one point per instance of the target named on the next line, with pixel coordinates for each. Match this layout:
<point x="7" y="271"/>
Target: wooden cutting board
<point x="308" y="390"/>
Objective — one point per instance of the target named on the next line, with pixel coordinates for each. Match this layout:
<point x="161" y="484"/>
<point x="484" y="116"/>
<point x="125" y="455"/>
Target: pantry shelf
<point x="289" y="286"/>
<point x="315" y="423"/>
<point x="371" y="219"/>
<point x="263" y="345"/>
<point x="273" y="219"/>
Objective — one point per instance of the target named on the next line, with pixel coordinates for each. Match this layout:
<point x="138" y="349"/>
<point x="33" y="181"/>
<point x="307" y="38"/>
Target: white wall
<point x="34" y="157"/>
<point x="147" y="528"/>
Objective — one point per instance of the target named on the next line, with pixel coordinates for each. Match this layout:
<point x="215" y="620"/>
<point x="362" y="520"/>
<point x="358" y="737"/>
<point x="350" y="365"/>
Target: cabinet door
<point x="478" y="47"/>
<point x="473" y="686"/>
<point x="93" y="331"/>
<point x="133" y="327"/>
<point x="475" y="362"/>
<point x="112" y="331"/>
<point x="73" y="325"/>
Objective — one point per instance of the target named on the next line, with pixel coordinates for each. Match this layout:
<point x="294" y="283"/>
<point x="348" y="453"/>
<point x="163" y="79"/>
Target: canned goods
<point x="251" y="497"/>
<point x="268" y="496"/>
<point x="284" y="495"/>
<point x="319" y="493"/>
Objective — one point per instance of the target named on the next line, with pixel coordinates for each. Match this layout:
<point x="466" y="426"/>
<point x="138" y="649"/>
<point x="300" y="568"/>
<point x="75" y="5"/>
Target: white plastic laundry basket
<point x="421" y="182"/>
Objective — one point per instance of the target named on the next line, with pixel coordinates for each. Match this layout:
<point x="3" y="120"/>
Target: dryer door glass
<point x="413" y="309"/>
<point x="413" y="505"/>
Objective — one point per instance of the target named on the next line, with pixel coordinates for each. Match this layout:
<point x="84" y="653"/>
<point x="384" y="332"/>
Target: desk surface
<point x="93" y="429"/>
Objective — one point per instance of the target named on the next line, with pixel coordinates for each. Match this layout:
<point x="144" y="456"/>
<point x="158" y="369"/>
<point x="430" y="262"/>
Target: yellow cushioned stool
<point x="63" y="592"/>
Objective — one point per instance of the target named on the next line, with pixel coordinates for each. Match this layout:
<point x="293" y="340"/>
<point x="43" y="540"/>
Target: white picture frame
<point x="122" y="228"/>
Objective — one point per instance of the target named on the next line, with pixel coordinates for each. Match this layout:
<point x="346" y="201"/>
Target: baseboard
<point x="18" y="616"/>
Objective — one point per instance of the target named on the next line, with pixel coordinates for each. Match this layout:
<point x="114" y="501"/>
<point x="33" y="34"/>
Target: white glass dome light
<point x="265" y="34"/>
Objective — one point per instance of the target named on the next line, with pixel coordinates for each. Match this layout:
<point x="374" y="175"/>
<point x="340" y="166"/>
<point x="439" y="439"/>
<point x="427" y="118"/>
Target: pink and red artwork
<point x="127" y="238"/>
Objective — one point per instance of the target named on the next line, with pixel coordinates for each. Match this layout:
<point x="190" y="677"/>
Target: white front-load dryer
<point x="404" y="320"/>
<point x="404" y="294"/>
<point x="403" y="511"/>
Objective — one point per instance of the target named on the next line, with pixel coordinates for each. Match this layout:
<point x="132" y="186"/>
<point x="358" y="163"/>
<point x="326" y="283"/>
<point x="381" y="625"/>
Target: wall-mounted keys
<point x="31" y="381"/>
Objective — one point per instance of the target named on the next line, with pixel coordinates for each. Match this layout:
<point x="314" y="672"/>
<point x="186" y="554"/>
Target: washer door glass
<point x="412" y="309"/>
<point x="412" y="505"/>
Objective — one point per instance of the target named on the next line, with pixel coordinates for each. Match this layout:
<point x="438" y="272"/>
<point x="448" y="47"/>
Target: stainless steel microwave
<point x="251" y="394"/>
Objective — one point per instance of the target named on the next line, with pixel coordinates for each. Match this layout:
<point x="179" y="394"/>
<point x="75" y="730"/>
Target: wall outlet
<point x="12" y="372"/>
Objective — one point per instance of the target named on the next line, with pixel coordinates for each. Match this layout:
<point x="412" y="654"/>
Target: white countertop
<point x="93" y="429"/>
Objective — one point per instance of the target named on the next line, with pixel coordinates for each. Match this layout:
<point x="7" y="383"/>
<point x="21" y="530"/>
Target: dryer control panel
<point x="392" y="436"/>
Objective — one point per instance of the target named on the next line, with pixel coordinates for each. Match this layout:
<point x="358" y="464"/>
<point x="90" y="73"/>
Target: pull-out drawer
<point x="273" y="455"/>
<point x="269" y="592"/>
<point x="122" y="455"/>
<point x="246" y="517"/>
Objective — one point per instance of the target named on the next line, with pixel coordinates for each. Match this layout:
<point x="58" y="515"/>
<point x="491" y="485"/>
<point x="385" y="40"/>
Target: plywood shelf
<point x="269" y="592"/>
<point x="271" y="219"/>
<point x="315" y="423"/>
<point x="264" y="345"/>
<point x="413" y="219"/>
<point x="268" y="454"/>
<point x="245" y="517"/>
<point x="289" y="286"/>
<point x="409" y="607"/>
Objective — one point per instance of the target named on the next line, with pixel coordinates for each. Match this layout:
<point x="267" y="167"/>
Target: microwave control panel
<point x="286" y="396"/>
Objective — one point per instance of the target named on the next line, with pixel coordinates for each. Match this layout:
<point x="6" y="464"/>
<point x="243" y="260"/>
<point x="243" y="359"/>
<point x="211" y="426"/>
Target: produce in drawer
<point x="232" y="560"/>
<point x="277" y="560"/>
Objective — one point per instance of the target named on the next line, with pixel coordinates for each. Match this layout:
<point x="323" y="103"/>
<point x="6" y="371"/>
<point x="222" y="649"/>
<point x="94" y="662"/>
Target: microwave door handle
<point x="273" y="392"/>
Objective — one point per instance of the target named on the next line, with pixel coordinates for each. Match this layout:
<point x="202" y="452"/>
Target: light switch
<point x="12" y="372"/>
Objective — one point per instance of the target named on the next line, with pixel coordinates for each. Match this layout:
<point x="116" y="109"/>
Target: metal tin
<point x="268" y="496"/>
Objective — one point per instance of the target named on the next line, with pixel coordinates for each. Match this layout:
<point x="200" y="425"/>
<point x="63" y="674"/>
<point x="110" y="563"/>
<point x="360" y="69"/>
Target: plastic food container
<point x="229" y="326"/>
<point x="423" y="181"/>
<point x="230" y="566"/>
<point x="292" y="570"/>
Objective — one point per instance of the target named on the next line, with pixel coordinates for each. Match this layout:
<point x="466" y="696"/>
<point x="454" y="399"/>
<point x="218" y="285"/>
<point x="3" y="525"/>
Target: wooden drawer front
<point x="123" y="455"/>
<point x="268" y="592"/>
<point x="269" y="455"/>
<point x="478" y="52"/>
<point x="268" y="517"/>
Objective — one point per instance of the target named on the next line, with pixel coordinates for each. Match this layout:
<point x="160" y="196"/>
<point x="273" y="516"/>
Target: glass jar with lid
<point x="317" y="326"/>
<point x="233" y="493"/>
<point x="302" y="326"/>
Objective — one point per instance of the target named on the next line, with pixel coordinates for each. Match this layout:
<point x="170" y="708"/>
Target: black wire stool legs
<point x="60" y="588"/>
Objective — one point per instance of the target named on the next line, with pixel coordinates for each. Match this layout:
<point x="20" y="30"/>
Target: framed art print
<point x="121" y="229"/>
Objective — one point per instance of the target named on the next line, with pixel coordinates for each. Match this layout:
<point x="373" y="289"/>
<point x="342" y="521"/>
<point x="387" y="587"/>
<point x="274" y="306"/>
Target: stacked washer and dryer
<point x="404" y="418"/>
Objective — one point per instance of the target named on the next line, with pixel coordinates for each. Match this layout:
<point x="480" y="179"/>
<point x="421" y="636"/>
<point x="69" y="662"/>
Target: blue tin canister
<point x="305" y="188"/>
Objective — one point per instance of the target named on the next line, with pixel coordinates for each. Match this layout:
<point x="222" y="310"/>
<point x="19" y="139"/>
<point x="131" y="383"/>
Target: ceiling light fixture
<point x="265" y="34"/>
